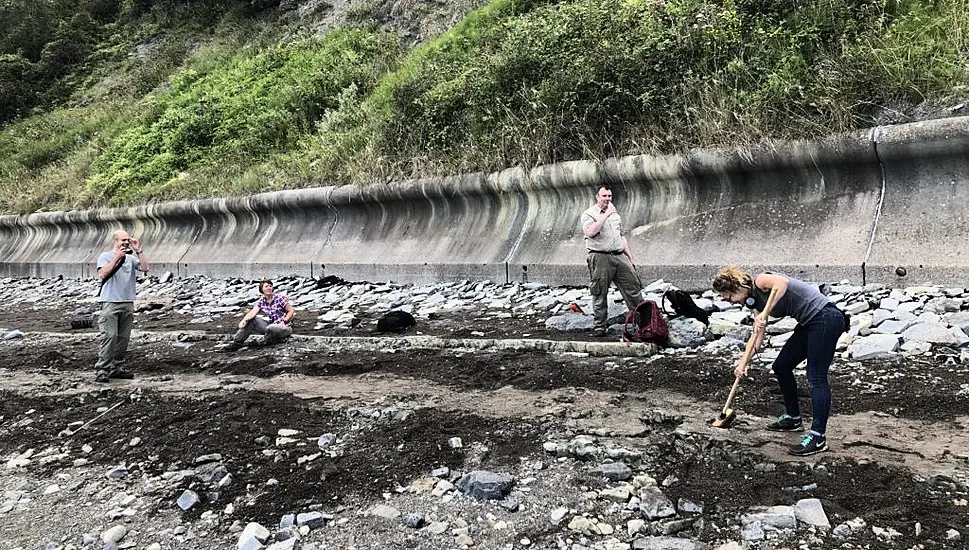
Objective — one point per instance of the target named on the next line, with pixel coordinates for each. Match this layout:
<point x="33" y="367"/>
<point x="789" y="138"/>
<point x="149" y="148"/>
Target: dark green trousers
<point x="605" y="269"/>
<point x="114" y="323"/>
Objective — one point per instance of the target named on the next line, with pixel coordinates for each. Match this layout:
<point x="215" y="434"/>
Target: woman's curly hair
<point x="731" y="279"/>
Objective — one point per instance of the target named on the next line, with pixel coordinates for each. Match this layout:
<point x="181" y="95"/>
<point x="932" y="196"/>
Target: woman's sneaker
<point x="785" y="423"/>
<point x="809" y="445"/>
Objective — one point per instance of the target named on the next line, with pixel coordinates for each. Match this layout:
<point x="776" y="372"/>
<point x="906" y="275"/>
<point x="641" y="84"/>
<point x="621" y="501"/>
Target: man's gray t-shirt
<point x="121" y="286"/>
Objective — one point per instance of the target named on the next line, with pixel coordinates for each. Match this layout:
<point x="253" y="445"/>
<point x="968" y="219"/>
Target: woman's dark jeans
<point x="815" y="341"/>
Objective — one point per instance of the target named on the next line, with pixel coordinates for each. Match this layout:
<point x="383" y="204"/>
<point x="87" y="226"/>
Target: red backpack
<point x="646" y="324"/>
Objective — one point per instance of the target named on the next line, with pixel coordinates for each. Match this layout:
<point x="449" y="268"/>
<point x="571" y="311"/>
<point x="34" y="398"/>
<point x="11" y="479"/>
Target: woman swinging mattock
<point x="819" y="326"/>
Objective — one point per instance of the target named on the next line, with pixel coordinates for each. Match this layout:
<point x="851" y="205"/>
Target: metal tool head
<point x="725" y="420"/>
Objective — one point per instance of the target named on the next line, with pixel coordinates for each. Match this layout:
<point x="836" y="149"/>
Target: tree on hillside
<point x="71" y="44"/>
<point x="41" y="42"/>
<point x="25" y="27"/>
<point x="17" y="88"/>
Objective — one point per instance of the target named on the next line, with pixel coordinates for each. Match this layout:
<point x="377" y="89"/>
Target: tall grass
<point x="46" y="159"/>
<point x="524" y="83"/>
<point x="218" y="118"/>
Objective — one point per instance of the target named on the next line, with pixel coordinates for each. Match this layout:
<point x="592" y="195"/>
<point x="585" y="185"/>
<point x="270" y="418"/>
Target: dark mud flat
<point x="898" y="434"/>
<point x="379" y="455"/>
<point x="239" y="425"/>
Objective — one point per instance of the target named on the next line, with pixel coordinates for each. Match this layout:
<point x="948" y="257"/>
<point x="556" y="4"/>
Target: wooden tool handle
<point x="733" y="392"/>
<point x="749" y="351"/>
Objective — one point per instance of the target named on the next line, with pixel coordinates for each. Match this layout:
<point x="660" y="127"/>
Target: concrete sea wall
<point x="867" y="206"/>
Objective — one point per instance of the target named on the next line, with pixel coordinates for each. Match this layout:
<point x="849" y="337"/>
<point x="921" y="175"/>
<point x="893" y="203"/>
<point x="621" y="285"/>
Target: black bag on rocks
<point x="395" y="321"/>
<point x="684" y="306"/>
<point x="329" y="280"/>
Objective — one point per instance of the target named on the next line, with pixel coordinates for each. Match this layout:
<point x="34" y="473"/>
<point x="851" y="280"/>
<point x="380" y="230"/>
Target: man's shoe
<point x="599" y="332"/>
<point x="229" y="348"/>
<point x="121" y="374"/>
<point x="785" y="423"/>
<point x="102" y="377"/>
<point x="810" y="444"/>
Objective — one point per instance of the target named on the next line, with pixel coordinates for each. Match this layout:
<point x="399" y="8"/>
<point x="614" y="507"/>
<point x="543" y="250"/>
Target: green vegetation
<point x="119" y="102"/>
<point x="223" y="117"/>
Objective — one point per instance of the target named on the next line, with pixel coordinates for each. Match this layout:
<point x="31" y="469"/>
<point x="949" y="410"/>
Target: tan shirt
<point x="609" y="239"/>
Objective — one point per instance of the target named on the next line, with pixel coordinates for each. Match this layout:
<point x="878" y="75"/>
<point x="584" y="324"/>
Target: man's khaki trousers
<point x="607" y="268"/>
<point x="114" y="323"/>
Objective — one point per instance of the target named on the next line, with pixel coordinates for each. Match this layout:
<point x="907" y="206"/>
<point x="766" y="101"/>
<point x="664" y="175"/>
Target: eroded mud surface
<point x="899" y="444"/>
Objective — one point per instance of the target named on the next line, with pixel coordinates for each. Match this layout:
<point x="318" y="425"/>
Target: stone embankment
<point x="885" y="322"/>
<point x="865" y="206"/>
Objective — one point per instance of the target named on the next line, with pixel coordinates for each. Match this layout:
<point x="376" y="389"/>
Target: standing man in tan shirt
<point x="610" y="260"/>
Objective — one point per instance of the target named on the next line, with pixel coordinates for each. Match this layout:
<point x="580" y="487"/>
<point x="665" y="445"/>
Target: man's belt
<point x="613" y="252"/>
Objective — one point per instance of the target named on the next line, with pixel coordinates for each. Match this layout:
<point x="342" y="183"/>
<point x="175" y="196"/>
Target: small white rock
<point x="114" y="534"/>
<point x="558" y="515"/>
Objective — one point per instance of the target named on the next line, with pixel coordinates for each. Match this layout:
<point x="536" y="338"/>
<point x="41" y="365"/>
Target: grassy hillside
<point x="122" y="102"/>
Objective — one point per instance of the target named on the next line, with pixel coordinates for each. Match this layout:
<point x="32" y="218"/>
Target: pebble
<point x="414" y="521"/>
<point x="558" y="515"/>
<point x="385" y="511"/>
<point x="114" y="534"/>
<point x="187" y="499"/>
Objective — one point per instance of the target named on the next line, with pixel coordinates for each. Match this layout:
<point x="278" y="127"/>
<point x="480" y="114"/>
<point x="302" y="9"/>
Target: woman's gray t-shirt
<point x="801" y="301"/>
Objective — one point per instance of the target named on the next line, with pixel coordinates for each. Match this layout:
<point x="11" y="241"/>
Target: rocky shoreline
<point x="405" y="448"/>
<point x="885" y="322"/>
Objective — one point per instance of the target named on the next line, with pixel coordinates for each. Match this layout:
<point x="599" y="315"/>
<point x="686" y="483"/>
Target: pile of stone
<point x="885" y="322"/>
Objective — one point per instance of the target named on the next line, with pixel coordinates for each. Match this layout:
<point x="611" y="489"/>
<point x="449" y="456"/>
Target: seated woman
<point x="819" y="325"/>
<point x="277" y="312"/>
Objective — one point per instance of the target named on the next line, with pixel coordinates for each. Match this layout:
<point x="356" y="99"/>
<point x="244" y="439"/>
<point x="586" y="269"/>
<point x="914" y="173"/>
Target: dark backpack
<point x="684" y="306"/>
<point x="395" y="321"/>
<point x="329" y="280"/>
<point x="646" y="324"/>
